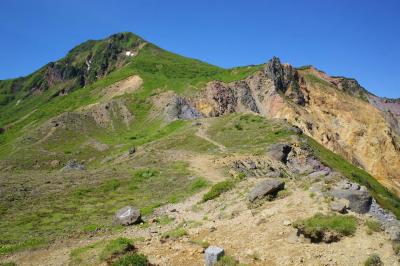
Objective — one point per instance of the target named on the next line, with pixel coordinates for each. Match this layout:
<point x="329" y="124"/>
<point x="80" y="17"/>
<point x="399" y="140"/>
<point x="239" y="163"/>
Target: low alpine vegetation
<point x="219" y="188"/>
<point x="116" y="248"/>
<point x="132" y="260"/>
<point x="175" y="233"/>
<point x="372" y="226"/>
<point x="373" y="260"/>
<point x="327" y="228"/>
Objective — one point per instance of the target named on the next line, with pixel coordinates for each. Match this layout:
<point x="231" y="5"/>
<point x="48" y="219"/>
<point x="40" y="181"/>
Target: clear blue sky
<point x="354" y="38"/>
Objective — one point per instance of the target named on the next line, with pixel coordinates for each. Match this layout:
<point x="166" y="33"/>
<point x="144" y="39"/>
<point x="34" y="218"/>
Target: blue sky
<point x="354" y="38"/>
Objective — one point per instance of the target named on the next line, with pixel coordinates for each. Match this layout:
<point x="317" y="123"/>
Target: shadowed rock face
<point x="285" y="79"/>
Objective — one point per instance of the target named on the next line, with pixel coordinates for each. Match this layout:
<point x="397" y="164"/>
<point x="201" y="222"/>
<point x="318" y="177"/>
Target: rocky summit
<point x="122" y="153"/>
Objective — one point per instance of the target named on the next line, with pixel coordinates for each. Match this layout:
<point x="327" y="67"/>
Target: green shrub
<point x="373" y="260"/>
<point x="132" y="260"/>
<point x="116" y="247"/>
<point x="373" y="226"/>
<point x="217" y="189"/>
<point x="317" y="225"/>
<point x="198" y="184"/>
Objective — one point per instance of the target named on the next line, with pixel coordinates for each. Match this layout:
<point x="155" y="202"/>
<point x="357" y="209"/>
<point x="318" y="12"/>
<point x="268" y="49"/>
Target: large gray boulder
<point x="127" y="216"/>
<point x="212" y="254"/>
<point x="279" y="151"/>
<point x="266" y="188"/>
<point x="359" y="200"/>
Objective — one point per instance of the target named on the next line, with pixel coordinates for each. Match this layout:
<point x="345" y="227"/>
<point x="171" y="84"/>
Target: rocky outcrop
<point x="390" y="109"/>
<point x="359" y="200"/>
<point x="279" y="152"/>
<point x="180" y="108"/>
<point x="266" y="188"/>
<point x="73" y="165"/>
<point x="333" y="110"/>
<point x="286" y="80"/>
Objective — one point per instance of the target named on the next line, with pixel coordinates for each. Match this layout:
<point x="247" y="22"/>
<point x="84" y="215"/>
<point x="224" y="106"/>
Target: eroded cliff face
<point x="333" y="110"/>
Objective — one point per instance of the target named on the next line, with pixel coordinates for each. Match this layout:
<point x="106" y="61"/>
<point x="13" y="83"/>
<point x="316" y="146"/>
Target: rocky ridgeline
<point x="280" y="91"/>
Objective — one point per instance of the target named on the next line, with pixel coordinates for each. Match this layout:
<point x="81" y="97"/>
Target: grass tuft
<point x="175" y="233"/>
<point x="373" y="225"/>
<point x="219" y="188"/>
<point x="132" y="260"/>
<point x="315" y="227"/>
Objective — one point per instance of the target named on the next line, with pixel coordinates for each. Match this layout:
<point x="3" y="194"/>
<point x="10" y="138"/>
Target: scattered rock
<point x="265" y="188"/>
<point x="287" y="223"/>
<point x="55" y="163"/>
<point x="132" y="150"/>
<point x="293" y="237"/>
<point x="212" y="255"/>
<point x="339" y="206"/>
<point x="359" y="200"/>
<point x="128" y="216"/>
<point x="73" y="165"/>
<point x="319" y="174"/>
<point x="325" y="236"/>
<point x="279" y="151"/>
<point x="261" y="221"/>
<point x="394" y="233"/>
<point x="348" y="185"/>
<point x="296" y="130"/>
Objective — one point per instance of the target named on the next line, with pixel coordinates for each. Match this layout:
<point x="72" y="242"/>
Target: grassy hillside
<point x="159" y="69"/>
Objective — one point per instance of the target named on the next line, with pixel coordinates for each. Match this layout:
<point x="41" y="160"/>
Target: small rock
<point x="55" y="163"/>
<point x="213" y="228"/>
<point x="265" y="188"/>
<point x="132" y="150"/>
<point x="128" y="216"/>
<point x="212" y="255"/>
<point x="287" y="223"/>
<point x="293" y="237"/>
<point x="261" y="221"/>
<point x="339" y="206"/>
<point x="394" y="233"/>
